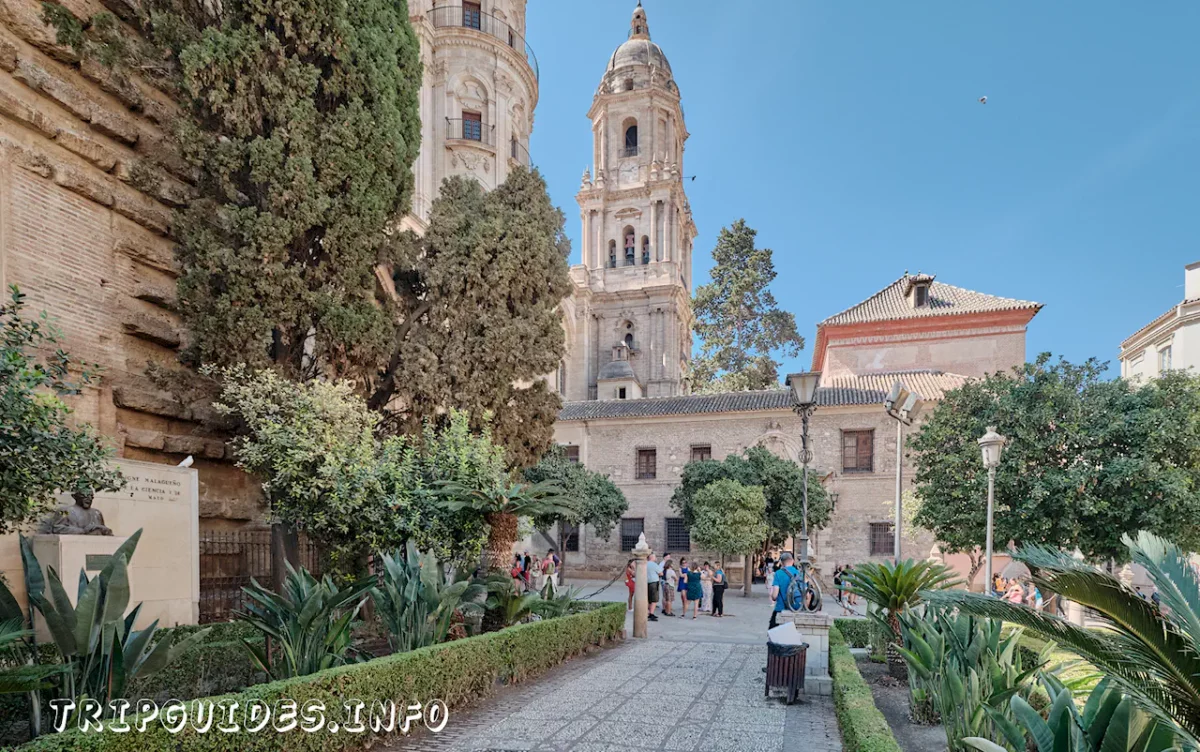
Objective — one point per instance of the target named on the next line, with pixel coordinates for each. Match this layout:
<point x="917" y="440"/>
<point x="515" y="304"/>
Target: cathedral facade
<point x="628" y="410"/>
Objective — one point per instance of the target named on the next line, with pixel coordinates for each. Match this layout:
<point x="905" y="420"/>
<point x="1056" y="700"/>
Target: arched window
<point x="612" y="253"/>
<point x="629" y="84"/>
<point x="630" y="245"/>
<point x="562" y="378"/>
<point x="629" y="340"/>
<point x="645" y="249"/>
<point x="631" y="139"/>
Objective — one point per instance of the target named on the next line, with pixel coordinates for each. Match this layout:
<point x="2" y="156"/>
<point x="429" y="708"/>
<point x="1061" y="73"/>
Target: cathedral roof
<point x="616" y="369"/>
<point x="867" y="389"/>
<point x="893" y="302"/>
<point x="638" y="49"/>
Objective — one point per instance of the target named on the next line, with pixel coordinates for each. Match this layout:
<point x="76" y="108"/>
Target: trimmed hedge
<point x="457" y="673"/>
<point x="864" y="729"/>
<point x="856" y="631"/>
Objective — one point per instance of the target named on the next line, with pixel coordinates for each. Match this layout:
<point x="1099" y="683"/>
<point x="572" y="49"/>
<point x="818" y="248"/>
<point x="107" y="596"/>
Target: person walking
<point x="682" y="587"/>
<point x="629" y="583"/>
<point x="518" y="573"/>
<point x="706" y="588"/>
<point x="654" y="572"/>
<point x="671" y="584"/>
<point x="695" y="590"/>
<point x="718" y="592"/>
<point x="848" y="579"/>
<point x="779" y="586"/>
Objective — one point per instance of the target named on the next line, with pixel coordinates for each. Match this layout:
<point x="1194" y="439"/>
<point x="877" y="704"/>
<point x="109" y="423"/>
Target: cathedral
<point x="628" y="411"/>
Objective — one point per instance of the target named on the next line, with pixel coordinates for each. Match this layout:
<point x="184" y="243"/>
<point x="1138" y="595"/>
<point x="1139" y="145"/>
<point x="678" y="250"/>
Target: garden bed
<point x="864" y="728"/>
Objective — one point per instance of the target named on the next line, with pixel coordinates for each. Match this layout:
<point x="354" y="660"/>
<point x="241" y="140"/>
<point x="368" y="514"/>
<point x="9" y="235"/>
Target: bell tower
<point x="633" y="288"/>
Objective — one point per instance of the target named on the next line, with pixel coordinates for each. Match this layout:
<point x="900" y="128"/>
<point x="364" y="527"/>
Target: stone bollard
<point x="641" y="606"/>
<point x="815" y="631"/>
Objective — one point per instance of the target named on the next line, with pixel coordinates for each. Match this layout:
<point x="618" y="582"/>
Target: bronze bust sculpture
<point x="77" y="519"/>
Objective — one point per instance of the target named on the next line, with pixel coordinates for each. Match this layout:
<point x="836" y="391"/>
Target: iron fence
<point x="471" y="130"/>
<point x="229" y="560"/>
<point x="470" y="17"/>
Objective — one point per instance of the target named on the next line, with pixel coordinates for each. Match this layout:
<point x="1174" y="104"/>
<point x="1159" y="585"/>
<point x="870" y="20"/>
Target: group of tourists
<point x="530" y="574"/>
<point x="846" y="598"/>
<point x="700" y="585"/>
<point x="1018" y="591"/>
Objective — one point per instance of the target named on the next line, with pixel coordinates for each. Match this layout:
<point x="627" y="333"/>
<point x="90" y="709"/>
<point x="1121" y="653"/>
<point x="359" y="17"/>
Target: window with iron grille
<point x="472" y="15"/>
<point x="572" y="453"/>
<point x="858" y="450"/>
<point x="647" y="464"/>
<point x="472" y="126"/>
<point x="701" y="452"/>
<point x="883" y="539"/>
<point x="678" y="538"/>
<point x="570" y="536"/>
<point x="631" y="530"/>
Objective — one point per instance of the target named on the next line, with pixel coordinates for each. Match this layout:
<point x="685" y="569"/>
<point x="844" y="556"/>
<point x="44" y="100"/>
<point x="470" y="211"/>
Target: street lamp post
<point x="991" y="444"/>
<point x="901" y="405"/>
<point x="804" y="398"/>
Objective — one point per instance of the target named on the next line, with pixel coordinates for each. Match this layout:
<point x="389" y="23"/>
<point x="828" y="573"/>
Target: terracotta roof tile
<point x="869" y="389"/>
<point x="891" y="303"/>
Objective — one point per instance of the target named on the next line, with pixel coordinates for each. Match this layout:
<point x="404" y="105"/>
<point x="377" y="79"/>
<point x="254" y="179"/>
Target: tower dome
<point x="638" y="49"/>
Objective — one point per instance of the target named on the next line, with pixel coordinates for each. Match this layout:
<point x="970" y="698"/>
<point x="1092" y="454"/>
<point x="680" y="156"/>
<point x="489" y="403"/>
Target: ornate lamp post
<point x="901" y="405"/>
<point x="991" y="444"/>
<point x="804" y="398"/>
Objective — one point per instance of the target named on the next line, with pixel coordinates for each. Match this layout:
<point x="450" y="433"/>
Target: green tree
<point x="595" y="499"/>
<point x="41" y="451"/>
<point x="729" y="518"/>
<point x="1086" y="461"/>
<point x="737" y="319"/>
<point x="482" y="286"/>
<point x="501" y="507"/>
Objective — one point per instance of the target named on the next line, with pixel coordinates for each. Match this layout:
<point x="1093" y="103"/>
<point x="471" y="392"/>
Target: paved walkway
<point x="692" y="686"/>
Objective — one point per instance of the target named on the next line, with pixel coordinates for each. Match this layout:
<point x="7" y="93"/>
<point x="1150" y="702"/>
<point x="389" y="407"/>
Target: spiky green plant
<point x="414" y="601"/>
<point x="100" y="649"/>
<point x="500" y="507"/>
<point x="557" y="602"/>
<point x="308" y="623"/>
<point x="505" y="604"/>
<point x="1150" y="654"/>
<point x="15" y="679"/>
<point x="1110" y="722"/>
<point x="894" y="588"/>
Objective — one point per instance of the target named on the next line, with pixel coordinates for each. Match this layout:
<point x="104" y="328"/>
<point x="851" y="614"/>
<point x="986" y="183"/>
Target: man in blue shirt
<point x="779" y="585"/>
<point x="654" y="572"/>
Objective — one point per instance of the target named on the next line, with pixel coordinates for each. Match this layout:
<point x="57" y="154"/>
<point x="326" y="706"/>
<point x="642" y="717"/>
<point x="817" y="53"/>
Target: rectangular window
<point x="647" y="464"/>
<point x="621" y="393"/>
<point x="678" y="538"/>
<point x="631" y="529"/>
<point x="570" y="536"/>
<point x="858" y="450"/>
<point x="701" y="452"/>
<point x="922" y="295"/>
<point x="472" y="15"/>
<point x="1164" y="359"/>
<point x="472" y="123"/>
<point x="883" y="539"/>
<point x="572" y="453"/>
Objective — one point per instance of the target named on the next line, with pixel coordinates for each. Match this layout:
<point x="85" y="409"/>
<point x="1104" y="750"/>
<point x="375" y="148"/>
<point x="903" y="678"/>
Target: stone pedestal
<point x="641" y="603"/>
<point x="814" y="629"/>
<point x="67" y="554"/>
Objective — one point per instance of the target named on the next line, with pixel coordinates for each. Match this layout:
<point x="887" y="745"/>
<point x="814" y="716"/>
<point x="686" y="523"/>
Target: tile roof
<point x="1171" y="313"/>
<point x="869" y="389"/>
<point x="891" y="303"/>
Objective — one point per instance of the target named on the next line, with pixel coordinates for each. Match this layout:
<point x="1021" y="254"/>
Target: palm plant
<point x="500" y="507"/>
<point x="505" y="604"/>
<point x="309" y="622"/>
<point x="414" y="601"/>
<point x="555" y="603"/>
<point x="15" y="679"/>
<point x="1151" y="655"/>
<point x="1110" y="722"/>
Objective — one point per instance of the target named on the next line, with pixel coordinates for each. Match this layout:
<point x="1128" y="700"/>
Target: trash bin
<point x="785" y="669"/>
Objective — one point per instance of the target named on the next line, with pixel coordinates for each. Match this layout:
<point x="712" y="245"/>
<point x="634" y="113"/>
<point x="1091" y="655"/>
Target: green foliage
<point x="501" y="506"/>
<point x="864" y="729"/>
<point x="595" y="498"/>
<point x="482" y="287"/>
<point x="13" y="647"/>
<point x="555" y="603"/>
<point x="1087" y="460"/>
<point x="895" y="588"/>
<point x="309" y="622"/>
<point x="857" y="632"/>
<point x="505" y="603"/>
<point x="738" y="322"/>
<point x="968" y="671"/>
<point x="729" y="518"/>
<point x="782" y="482"/>
<point x="1150" y="654"/>
<point x="1110" y="722"/>
<point x="40" y="451"/>
<point x="415" y="603"/>
<point x="95" y="639"/>
<point x="459" y="673"/>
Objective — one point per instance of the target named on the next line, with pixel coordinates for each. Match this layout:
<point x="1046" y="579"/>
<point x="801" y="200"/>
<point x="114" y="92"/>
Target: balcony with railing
<point x="470" y="17"/>
<point x="460" y="129"/>
<point x="518" y="153"/>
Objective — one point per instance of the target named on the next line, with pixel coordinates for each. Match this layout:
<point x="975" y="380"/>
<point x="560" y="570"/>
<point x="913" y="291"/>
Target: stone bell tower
<point x="631" y="311"/>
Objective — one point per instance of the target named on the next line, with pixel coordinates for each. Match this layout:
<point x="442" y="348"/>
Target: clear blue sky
<point x="849" y="135"/>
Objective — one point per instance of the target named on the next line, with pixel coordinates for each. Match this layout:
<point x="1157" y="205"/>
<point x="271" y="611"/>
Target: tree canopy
<point x="782" y="482"/>
<point x="41" y="452"/>
<point x="596" y="499"/>
<point x="737" y="319"/>
<point x="729" y="518"/>
<point x="1086" y="461"/>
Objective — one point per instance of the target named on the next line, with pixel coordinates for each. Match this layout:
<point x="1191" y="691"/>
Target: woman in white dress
<point x="706" y="583"/>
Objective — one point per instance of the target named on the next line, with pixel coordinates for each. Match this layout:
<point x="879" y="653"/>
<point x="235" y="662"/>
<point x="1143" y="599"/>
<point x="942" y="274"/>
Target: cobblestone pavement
<point x="694" y="686"/>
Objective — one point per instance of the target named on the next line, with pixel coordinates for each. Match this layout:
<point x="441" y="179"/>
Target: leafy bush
<point x="457" y="673"/>
<point x="856" y="631"/>
<point x="864" y="729"/>
<point x="505" y="604"/>
<point x="415" y="603"/>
